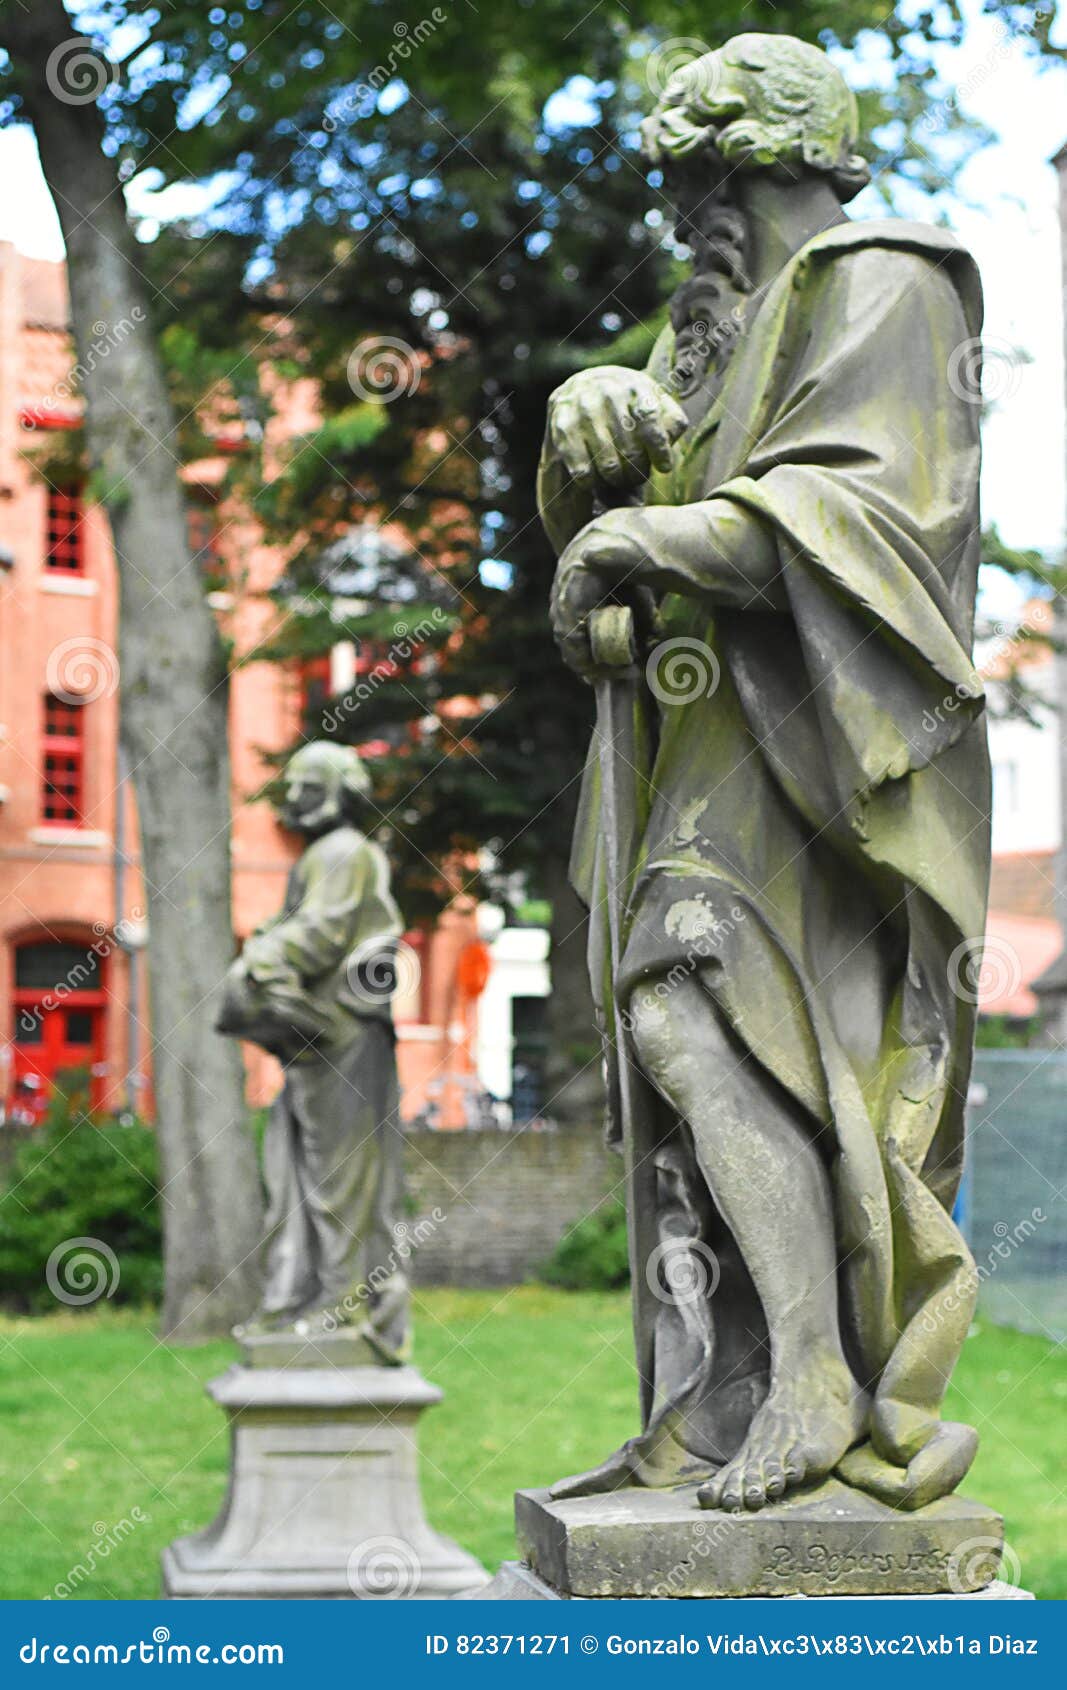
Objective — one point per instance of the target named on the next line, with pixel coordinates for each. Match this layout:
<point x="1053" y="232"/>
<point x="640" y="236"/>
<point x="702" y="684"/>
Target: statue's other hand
<point x="613" y="427"/>
<point x="604" y="564"/>
<point x="576" y="593"/>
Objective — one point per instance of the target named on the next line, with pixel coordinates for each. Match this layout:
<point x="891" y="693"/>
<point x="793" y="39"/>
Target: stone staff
<point x="613" y="645"/>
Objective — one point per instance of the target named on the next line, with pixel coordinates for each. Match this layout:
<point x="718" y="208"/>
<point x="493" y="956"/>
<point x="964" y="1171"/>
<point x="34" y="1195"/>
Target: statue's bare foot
<point x="796" y="1438"/>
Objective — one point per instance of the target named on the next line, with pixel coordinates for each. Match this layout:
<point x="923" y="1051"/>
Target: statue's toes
<point x="710" y="1493"/>
<point x="755" y="1487"/>
<point x="733" y="1490"/>
<point x="774" y="1476"/>
<point x="796" y="1466"/>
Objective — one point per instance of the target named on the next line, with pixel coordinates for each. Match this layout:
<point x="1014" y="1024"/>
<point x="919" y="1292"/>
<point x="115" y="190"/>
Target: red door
<point x="58" y="1016"/>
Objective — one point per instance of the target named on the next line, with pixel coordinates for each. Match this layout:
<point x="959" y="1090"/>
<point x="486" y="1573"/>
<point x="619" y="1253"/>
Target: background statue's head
<point x="761" y="102"/>
<point x="325" y="784"/>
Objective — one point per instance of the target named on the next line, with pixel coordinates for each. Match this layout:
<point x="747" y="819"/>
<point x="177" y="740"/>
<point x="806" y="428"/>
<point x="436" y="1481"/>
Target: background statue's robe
<point x="816" y="838"/>
<point x="314" y="986"/>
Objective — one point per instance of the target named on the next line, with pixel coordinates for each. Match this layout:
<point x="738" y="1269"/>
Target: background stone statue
<point x="794" y="481"/>
<point x="323" y="1494"/>
<point x="314" y="986"/>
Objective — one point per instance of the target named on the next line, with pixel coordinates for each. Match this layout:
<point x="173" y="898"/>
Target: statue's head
<point x="761" y="102"/>
<point x="325" y="784"/>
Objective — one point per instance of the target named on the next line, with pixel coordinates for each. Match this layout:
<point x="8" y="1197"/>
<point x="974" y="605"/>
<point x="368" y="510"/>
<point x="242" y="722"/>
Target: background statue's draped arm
<point x="312" y="939"/>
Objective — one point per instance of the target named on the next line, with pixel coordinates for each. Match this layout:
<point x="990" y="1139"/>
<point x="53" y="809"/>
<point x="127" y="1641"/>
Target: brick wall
<point x="506" y="1199"/>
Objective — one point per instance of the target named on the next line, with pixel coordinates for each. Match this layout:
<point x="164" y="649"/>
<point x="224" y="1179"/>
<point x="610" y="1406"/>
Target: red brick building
<point x="72" y="927"/>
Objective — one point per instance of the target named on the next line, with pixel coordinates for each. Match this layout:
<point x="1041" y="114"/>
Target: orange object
<point x="472" y="969"/>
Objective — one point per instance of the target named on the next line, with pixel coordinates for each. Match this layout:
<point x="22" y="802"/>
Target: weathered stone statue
<point x="783" y="843"/>
<point x="314" y="987"/>
<point x="323" y="1494"/>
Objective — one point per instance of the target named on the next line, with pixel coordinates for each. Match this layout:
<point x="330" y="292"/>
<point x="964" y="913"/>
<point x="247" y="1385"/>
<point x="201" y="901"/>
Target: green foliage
<point x="534" y="912"/>
<point x="1005" y="1032"/>
<point x="1031" y="565"/>
<point x="593" y="1255"/>
<point x="77" y="1179"/>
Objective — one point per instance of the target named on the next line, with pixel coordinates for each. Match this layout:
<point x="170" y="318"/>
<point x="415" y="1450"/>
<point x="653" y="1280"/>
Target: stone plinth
<point x="345" y="1347"/>
<point x="829" y="1541"/>
<point x="323" y="1497"/>
<point x="518" y="1583"/>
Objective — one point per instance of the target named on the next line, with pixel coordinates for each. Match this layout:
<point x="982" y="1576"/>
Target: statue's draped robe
<point x="313" y="984"/>
<point x="816" y="833"/>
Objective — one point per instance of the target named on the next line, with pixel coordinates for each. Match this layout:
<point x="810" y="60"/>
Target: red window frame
<point x="65" y="534"/>
<point x="63" y="763"/>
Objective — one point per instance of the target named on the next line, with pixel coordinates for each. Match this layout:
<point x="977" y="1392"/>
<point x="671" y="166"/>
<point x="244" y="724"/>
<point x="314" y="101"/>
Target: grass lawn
<point x="98" y="1420"/>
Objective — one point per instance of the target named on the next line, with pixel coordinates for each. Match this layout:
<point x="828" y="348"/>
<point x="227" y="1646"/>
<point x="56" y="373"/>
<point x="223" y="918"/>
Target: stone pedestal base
<point x="829" y="1541"/>
<point x="323" y="1497"/>
<point x="516" y="1582"/>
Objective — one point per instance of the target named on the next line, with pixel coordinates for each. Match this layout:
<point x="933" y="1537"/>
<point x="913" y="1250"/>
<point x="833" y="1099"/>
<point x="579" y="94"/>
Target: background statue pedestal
<point x="830" y="1541"/>
<point x="323" y="1497"/>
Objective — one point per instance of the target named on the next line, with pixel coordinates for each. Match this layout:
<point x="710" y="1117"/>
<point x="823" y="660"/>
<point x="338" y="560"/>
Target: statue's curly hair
<point x="802" y="111"/>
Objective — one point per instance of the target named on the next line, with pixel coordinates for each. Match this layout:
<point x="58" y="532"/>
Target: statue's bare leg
<point x="769" y="1183"/>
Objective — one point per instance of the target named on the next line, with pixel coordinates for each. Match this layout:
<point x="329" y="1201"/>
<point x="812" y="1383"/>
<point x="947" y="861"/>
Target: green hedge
<point x="79" y="1179"/>
<point x="592" y="1256"/>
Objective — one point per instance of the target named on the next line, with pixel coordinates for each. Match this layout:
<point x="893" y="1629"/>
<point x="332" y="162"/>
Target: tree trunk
<point x="173" y="694"/>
